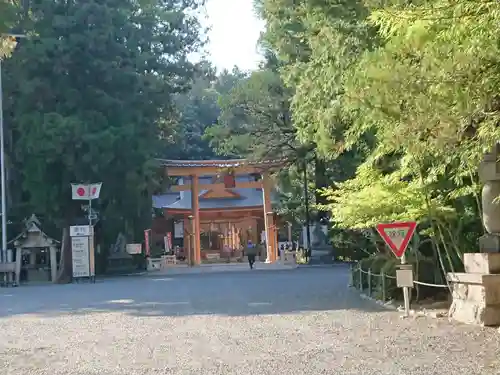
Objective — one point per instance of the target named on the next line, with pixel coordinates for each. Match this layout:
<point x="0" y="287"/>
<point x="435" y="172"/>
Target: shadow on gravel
<point x="224" y="294"/>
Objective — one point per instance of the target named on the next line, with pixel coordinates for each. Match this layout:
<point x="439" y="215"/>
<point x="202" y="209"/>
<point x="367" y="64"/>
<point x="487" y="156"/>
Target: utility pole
<point x="3" y="255"/>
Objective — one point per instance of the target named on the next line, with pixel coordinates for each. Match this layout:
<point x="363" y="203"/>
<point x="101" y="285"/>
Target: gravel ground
<point x="302" y="321"/>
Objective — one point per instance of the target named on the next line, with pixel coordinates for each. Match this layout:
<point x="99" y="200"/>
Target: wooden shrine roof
<point x="181" y="200"/>
<point x="234" y="163"/>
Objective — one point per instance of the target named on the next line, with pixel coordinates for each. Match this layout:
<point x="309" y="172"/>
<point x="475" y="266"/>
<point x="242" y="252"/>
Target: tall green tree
<point x="198" y="110"/>
<point x="87" y="99"/>
<point x="255" y="123"/>
<point x="9" y="15"/>
<point x="410" y="85"/>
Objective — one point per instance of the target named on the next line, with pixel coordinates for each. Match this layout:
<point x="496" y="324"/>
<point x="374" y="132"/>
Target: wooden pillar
<point x="238" y="237"/>
<point x="268" y="218"/>
<point x="276" y="238"/>
<point x="19" y="259"/>
<point x="234" y="236"/>
<point x="188" y="245"/>
<point x="195" y="206"/>
<point x="53" y="263"/>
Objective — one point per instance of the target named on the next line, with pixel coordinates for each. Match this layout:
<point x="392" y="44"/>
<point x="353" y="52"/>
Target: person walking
<point x="251" y="252"/>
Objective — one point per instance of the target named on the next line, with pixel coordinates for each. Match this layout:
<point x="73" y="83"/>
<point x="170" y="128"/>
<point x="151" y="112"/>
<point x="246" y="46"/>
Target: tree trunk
<point x="320" y="182"/>
<point x="65" y="262"/>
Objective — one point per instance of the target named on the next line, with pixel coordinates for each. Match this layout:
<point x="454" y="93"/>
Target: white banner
<point x="85" y="191"/>
<point x="80" y="256"/>
<point x="179" y="229"/>
<point x="134" y="248"/>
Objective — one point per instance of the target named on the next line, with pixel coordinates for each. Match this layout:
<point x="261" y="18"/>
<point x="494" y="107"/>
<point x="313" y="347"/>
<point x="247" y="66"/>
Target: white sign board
<point x="404" y="278"/>
<point x="134" y="248"/>
<point x="80" y="251"/>
<point x="79" y="230"/>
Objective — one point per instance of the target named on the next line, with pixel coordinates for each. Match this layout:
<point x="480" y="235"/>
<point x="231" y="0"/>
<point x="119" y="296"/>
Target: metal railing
<point x="383" y="279"/>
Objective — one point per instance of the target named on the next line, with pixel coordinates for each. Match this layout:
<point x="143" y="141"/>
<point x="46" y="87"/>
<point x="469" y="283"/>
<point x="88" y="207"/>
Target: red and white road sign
<point x="397" y="235"/>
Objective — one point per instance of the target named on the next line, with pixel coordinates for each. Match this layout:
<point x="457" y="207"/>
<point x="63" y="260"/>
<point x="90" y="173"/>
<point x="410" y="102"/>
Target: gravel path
<point x="302" y="321"/>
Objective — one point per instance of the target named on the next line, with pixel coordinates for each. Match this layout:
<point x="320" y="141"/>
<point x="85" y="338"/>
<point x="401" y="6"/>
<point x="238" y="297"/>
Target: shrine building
<point x="215" y="207"/>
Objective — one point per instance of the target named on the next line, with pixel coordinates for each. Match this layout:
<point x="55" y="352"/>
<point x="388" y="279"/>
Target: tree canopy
<point x="389" y="105"/>
<point x="90" y="97"/>
<point x="403" y="91"/>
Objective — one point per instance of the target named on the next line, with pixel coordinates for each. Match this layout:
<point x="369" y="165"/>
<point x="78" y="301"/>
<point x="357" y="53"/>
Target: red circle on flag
<point x="94" y="190"/>
<point x="80" y="191"/>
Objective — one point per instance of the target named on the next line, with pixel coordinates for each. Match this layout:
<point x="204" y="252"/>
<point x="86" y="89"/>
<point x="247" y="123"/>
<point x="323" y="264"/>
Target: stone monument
<point x="476" y="293"/>
<point x="119" y="261"/>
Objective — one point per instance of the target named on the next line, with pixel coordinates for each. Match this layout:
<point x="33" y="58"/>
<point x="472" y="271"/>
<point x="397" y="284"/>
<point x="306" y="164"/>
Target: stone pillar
<point x="53" y="264"/>
<point x="476" y="293"/>
<point x="489" y="175"/>
<point x="19" y="259"/>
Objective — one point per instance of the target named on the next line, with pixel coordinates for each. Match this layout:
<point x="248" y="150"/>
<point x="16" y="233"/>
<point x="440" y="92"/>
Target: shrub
<point x="387" y="264"/>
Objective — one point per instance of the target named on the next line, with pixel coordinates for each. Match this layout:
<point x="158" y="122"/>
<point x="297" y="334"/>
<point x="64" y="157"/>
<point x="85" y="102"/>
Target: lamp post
<point x="306" y="202"/>
<point x="3" y="256"/>
<point x="2" y="175"/>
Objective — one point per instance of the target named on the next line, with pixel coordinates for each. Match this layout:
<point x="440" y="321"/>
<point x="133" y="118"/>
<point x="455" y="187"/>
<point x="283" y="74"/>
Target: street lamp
<point x="3" y="255"/>
<point x="191" y="241"/>
<point x="306" y="202"/>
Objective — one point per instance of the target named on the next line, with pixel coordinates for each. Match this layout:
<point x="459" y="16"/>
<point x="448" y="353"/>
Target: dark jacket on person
<point x="251" y="250"/>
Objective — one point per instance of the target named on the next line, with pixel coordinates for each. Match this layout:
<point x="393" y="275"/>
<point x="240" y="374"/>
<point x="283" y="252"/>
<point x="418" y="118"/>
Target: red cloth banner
<point x="147" y="248"/>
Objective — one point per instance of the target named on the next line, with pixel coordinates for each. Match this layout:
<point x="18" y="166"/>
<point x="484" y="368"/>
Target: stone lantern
<point x="476" y="293"/>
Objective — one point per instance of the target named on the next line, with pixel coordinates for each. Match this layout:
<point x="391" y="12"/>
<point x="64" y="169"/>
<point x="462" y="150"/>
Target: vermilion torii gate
<point x="224" y="175"/>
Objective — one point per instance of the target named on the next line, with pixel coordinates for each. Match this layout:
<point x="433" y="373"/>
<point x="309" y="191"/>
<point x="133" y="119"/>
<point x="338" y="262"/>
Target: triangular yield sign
<point x="397" y="235"/>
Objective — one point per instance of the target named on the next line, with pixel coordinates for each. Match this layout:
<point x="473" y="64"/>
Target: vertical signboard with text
<point x="82" y="251"/>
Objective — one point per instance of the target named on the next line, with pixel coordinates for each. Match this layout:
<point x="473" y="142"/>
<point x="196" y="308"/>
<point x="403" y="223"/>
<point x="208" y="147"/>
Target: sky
<point x="234" y="33"/>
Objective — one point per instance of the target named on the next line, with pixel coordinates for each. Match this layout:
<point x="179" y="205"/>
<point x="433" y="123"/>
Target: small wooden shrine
<point x="36" y="254"/>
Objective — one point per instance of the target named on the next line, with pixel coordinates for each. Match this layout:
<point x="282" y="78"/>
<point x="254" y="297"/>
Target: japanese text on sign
<point x="80" y="256"/>
<point x="396" y="233"/>
<point x="79" y="230"/>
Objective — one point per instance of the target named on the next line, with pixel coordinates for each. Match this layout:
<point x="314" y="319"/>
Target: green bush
<point x="350" y="245"/>
<point x="300" y="256"/>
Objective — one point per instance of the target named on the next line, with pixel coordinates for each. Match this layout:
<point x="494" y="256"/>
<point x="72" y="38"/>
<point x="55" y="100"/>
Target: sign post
<point x="82" y="237"/>
<point x="397" y="236"/>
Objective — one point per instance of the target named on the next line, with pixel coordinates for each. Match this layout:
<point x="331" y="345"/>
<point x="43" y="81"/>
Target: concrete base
<point x="476" y="293"/>
<point x="472" y="312"/>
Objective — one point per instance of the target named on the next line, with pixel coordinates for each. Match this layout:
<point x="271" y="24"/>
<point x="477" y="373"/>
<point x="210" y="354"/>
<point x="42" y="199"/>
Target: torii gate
<point x="229" y="169"/>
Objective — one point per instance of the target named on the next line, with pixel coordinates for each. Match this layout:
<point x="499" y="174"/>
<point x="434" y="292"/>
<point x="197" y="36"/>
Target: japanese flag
<point x="85" y="191"/>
